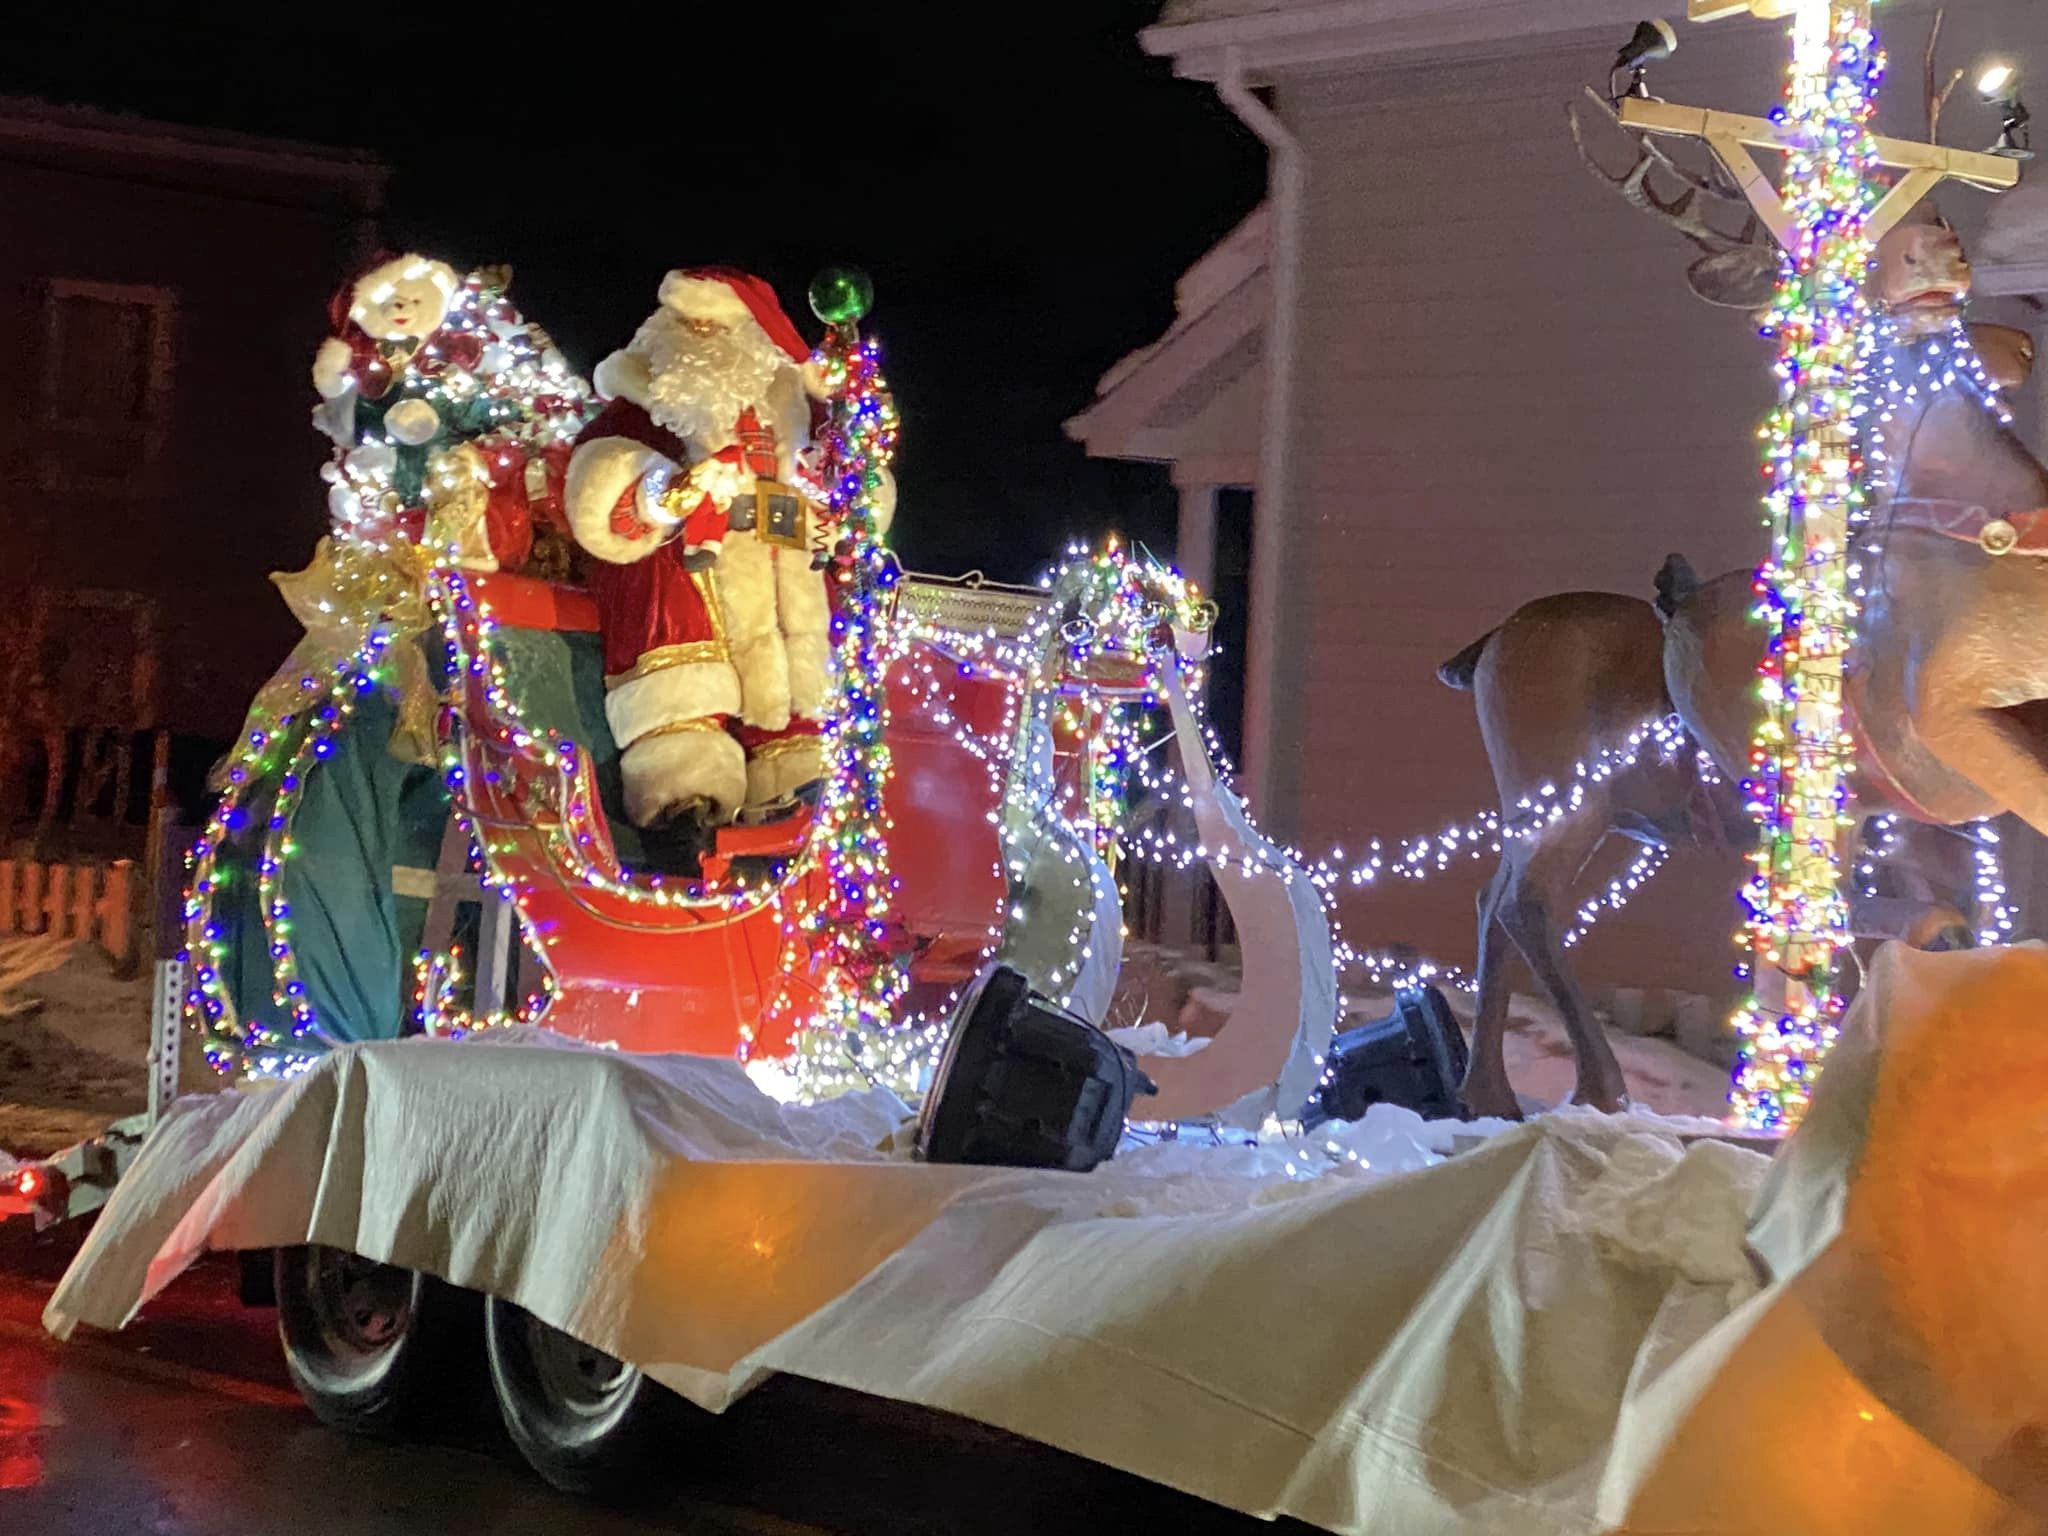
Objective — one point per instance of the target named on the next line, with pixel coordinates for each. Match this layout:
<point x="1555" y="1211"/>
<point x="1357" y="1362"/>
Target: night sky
<point x="1024" y="187"/>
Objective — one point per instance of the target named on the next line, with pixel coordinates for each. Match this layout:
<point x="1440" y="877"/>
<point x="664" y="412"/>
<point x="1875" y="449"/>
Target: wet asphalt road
<point x="185" y="1425"/>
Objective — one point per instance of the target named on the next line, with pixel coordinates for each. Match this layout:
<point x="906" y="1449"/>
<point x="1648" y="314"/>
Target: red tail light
<point x="31" y="1182"/>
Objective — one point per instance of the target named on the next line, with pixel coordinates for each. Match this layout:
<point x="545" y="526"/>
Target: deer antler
<point x="1738" y="270"/>
<point x="1937" y="96"/>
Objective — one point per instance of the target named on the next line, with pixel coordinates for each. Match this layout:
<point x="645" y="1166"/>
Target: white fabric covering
<point x="1558" y="1329"/>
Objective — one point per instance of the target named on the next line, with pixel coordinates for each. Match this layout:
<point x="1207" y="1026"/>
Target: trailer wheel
<point x="369" y="1346"/>
<point x="587" y="1423"/>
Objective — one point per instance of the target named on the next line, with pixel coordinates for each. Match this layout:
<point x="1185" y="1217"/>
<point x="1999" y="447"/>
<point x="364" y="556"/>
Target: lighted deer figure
<point x="1948" y="688"/>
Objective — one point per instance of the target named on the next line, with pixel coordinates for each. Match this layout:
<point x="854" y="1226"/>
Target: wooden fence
<point x="71" y="901"/>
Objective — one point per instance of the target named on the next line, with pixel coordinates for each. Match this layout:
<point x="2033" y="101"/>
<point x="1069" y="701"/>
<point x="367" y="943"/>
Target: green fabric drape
<point x="362" y="814"/>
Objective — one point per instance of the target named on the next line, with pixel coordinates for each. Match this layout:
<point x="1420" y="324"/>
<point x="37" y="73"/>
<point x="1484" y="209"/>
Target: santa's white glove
<point x="652" y="501"/>
<point x="665" y="498"/>
<point x="412" y="422"/>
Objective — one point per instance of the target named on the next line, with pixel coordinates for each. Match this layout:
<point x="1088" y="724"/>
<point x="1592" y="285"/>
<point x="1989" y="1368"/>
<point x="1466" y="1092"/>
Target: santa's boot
<point x="782" y="768"/>
<point x="688" y="769"/>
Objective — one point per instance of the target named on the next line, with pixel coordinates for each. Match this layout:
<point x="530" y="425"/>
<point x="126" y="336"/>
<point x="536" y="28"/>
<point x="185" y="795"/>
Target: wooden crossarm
<point x="1717" y="10"/>
<point x="1731" y="136"/>
<point x="1992" y="172"/>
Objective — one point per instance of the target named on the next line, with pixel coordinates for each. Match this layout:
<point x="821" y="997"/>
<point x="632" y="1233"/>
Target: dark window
<point x="106" y="382"/>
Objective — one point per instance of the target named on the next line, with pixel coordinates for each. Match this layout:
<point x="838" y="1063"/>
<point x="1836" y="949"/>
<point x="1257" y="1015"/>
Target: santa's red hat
<point x="727" y="295"/>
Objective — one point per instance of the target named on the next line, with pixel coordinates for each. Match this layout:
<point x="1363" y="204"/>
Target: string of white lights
<point x="1993" y="918"/>
<point x="1420" y="858"/>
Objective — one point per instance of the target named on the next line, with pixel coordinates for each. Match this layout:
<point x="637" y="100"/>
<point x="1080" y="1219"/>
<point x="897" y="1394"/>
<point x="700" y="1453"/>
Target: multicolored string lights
<point x="851" y="945"/>
<point x="1803" y="752"/>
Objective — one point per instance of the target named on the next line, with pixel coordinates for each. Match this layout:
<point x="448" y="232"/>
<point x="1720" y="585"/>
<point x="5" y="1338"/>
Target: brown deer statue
<point x="1948" y="688"/>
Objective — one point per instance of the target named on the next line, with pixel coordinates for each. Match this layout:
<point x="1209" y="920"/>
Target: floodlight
<point x="1652" y="41"/>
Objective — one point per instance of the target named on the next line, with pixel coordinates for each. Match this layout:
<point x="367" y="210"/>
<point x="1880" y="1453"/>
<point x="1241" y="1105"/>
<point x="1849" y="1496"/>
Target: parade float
<point x="632" y="844"/>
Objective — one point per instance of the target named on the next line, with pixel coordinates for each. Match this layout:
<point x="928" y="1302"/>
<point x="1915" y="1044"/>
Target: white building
<point x="1459" y="374"/>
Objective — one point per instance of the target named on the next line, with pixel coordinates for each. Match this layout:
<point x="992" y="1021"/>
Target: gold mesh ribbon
<point x="347" y="590"/>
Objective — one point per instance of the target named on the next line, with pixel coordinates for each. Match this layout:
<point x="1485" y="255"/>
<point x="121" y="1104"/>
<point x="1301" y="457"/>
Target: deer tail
<point x="1675" y="583"/>
<point x="1459" y="670"/>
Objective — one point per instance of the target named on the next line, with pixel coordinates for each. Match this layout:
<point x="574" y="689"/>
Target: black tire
<point x="585" y="1422"/>
<point x="373" y="1349"/>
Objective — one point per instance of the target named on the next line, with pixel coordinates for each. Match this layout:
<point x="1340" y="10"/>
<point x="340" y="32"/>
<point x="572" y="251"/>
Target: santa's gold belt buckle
<point x="781" y="515"/>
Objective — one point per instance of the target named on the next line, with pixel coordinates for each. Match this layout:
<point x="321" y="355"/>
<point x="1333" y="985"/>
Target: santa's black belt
<point x="774" y="514"/>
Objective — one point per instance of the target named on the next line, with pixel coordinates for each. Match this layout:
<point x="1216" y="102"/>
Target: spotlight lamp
<point x="1998" y="85"/>
<point x="1652" y="41"/>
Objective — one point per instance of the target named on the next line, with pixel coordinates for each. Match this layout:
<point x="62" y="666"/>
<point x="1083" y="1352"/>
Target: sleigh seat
<point x="654" y="961"/>
<point x="548" y="637"/>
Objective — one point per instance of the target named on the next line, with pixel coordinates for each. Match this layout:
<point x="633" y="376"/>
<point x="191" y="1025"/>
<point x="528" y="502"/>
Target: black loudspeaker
<point x="1024" y="1084"/>
<point x="1415" y="1057"/>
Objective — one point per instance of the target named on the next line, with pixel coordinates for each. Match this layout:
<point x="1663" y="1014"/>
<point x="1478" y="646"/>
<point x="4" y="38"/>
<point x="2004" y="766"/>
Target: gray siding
<point x="1506" y="389"/>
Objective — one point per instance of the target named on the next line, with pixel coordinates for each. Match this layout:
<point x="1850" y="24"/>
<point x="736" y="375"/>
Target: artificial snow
<point x="1196" y="996"/>
<point x="1155" y="1039"/>
<point x="74" y="1043"/>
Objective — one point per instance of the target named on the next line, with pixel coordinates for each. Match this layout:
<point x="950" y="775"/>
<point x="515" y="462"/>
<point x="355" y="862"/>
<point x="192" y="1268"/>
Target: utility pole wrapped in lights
<point x="1827" y="212"/>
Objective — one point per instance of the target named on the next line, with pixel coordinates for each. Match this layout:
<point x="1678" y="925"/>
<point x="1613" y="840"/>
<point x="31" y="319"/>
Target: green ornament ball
<point x="841" y="295"/>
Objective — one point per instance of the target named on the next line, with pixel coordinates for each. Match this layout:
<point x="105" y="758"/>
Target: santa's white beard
<point x="698" y="385"/>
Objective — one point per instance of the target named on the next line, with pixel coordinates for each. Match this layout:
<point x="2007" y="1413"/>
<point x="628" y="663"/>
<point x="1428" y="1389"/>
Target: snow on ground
<point x="1662" y="1078"/>
<point x="74" y="1042"/>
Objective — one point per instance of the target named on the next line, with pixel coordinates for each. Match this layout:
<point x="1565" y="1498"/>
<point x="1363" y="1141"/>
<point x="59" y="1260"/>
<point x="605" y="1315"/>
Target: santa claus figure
<point x="695" y="491"/>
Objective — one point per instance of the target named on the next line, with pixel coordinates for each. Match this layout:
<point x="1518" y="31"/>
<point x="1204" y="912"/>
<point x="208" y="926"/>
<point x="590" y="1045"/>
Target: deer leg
<point x="1486" y="1089"/>
<point x="1527" y="913"/>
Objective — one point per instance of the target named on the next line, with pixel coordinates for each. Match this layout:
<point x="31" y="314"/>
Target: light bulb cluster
<point x="439" y="979"/>
<point x="1803" y="751"/>
<point x="1619" y="891"/>
<point x="1995" y="918"/>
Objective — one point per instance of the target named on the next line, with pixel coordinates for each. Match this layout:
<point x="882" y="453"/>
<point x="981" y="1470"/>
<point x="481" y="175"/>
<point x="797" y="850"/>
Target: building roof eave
<point x="30" y="121"/>
<point x="1120" y="422"/>
<point x="1286" y="37"/>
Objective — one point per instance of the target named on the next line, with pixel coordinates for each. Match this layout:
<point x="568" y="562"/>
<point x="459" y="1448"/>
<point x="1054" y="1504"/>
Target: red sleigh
<point x="714" y="966"/>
